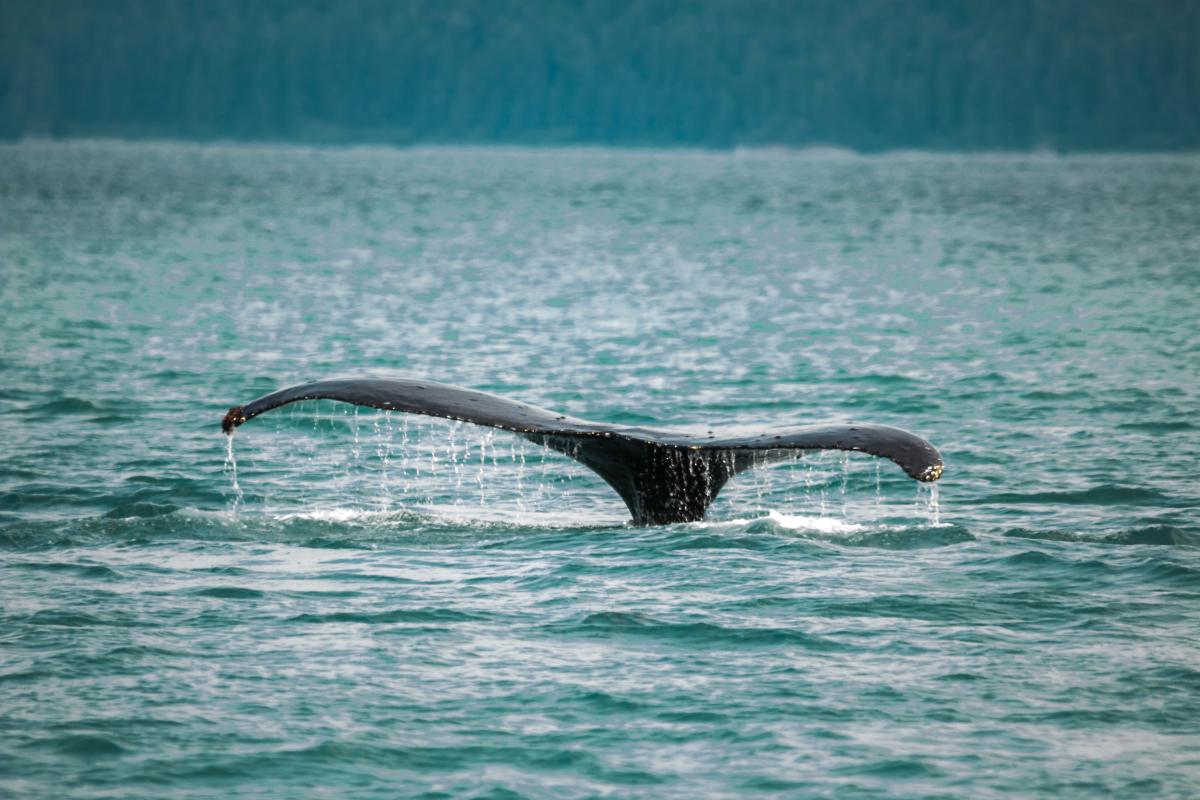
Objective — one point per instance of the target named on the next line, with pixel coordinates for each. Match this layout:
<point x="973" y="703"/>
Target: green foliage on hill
<point x="868" y="74"/>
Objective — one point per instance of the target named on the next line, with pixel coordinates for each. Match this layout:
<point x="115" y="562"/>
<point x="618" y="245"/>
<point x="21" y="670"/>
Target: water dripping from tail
<point x="845" y="483"/>
<point x="488" y="441"/>
<point x="231" y="469"/>
<point x="878" y="488"/>
<point x="928" y="502"/>
<point x="383" y="453"/>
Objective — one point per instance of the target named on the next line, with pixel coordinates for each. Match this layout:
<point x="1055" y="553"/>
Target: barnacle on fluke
<point x="233" y="418"/>
<point x="663" y="476"/>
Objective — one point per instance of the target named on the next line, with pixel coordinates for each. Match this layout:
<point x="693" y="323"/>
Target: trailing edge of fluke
<point x="662" y="476"/>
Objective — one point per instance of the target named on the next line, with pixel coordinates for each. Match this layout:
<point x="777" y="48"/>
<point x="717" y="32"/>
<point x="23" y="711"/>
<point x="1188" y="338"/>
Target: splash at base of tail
<point x="662" y="476"/>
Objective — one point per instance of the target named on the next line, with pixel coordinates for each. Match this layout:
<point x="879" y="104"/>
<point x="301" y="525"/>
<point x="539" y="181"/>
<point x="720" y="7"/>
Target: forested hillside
<point x="867" y="74"/>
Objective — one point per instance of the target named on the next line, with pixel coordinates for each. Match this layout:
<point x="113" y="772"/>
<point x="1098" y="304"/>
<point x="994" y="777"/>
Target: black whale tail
<point x="663" y="477"/>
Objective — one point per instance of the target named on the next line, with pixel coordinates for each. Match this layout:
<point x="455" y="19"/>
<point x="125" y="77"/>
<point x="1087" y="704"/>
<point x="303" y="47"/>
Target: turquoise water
<point x="361" y="604"/>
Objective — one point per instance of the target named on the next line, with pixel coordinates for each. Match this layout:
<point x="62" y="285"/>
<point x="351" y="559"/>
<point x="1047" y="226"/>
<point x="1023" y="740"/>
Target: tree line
<point x="866" y="74"/>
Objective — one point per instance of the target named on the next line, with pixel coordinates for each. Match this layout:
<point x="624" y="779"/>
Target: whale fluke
<point x="662" y="476"/>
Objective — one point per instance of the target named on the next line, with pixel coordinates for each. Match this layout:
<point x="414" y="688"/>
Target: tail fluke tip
<point x="233" y="418"/>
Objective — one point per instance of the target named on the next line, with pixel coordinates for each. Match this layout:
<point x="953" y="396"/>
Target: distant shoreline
<point x="811" y="152"/>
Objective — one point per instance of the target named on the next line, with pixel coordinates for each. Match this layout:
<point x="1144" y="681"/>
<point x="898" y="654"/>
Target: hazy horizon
<point x="813" y="152"/>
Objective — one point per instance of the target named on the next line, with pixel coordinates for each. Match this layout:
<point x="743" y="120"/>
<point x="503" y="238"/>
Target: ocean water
<point x="357" y="604"/>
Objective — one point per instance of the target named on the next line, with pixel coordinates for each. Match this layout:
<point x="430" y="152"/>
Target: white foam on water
<point x="458" y="515"/>
<point x="798" y="522"/>
<point x="332" y="515"/>
<point x="819" y="524"/>
<point x="574" y="518"/>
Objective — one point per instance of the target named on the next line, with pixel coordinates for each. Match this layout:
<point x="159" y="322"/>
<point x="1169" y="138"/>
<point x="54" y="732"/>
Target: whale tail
<point x="659" y="483"/>
<point x="662" y="476"/>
